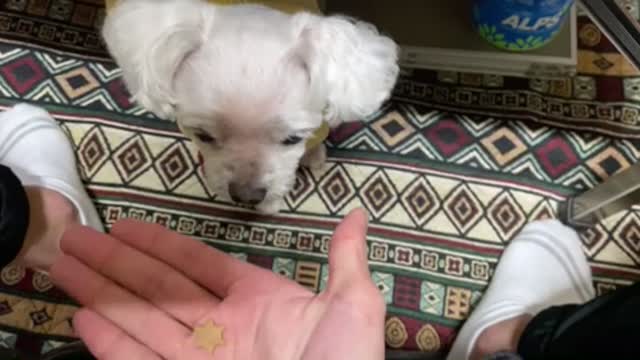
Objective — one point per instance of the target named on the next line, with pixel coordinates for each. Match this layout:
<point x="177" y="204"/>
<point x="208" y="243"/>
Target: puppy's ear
<point x="352" y="67"/>
<point x="149" y="39"/>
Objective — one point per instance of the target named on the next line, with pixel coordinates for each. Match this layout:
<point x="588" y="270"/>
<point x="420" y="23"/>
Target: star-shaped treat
<point x="208" y="336"/>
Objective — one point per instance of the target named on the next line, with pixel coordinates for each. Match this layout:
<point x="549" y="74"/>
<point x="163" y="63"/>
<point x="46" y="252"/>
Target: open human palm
<point x="144" y="289"/>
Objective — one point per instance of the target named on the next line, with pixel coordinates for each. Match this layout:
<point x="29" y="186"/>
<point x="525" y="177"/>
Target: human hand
<point x="145" y="288"/>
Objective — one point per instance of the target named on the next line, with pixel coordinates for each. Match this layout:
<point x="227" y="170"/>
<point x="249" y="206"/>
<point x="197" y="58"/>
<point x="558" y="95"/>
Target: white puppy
<point x="250" y="85"/>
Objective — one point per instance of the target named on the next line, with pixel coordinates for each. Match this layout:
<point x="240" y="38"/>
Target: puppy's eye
<point x="292" y="140"/>
<point x="205" y="138"/>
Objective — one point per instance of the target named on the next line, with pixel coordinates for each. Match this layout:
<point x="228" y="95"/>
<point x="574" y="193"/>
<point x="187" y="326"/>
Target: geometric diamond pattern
<point x="132" y="159"/>
<point x="337" y="188"/>
<point x="593" y="240"/>
<point x="93" y="151"/>
<point x="23" y="74"/>
<point x="378" y="193"/>
<point x="77" y="82"/>
<point x="556" y="156"/>
<point x="463" y="208"/>
<point x="174" y="165"/>
<point x="628" y="233"/>
<point x="392" y="128"/>
<point x="385" y="283"/>
<point x="302" y="188"/>
<point x="417" y="199"/>
<point x="420" y="201"/>
<point x="506" y="215"/>
<point x="432" y="301"/>
<point x="448" y="136"/>
<point x="40" y="317"/>
<point x="608" y="162"/>
<point x="504" y="145"/>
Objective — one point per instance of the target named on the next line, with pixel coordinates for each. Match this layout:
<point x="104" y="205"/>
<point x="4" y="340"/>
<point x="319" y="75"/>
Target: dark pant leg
<point x="608" y="327"/>
<point x="14" y="215"/>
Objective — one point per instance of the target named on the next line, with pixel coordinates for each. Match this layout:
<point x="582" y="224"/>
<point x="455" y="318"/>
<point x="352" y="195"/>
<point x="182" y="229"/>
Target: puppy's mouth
<point x="242" y="197"/>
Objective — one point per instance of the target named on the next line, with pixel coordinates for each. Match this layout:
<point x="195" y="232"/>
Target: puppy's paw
<point x="316" y="158"/>
<point x="269" y="207"/>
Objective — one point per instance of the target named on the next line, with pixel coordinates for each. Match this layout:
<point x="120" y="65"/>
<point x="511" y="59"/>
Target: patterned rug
<point x="446" y="190"/>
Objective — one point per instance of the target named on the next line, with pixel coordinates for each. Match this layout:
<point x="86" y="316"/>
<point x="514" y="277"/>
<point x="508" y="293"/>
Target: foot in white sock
<point x="543" y="266"/>
<point x="35" y="148"/>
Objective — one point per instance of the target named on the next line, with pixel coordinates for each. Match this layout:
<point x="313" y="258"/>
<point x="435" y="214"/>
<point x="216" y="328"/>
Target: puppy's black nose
<point x="246" y="194"/>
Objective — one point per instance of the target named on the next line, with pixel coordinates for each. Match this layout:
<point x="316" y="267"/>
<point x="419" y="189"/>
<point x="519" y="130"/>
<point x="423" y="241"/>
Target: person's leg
<point x="606" y="327"/>
<point x="50" y="215"/>
<point x="14" y="215"/>
<point x="543" y="266"/>
<point x="500" y="341"/>
<point x="40" y="167"/>
<point x="32" y="218"/>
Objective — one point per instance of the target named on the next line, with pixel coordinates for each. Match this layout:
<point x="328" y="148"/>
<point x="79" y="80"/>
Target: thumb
<point x="348" y="266"/>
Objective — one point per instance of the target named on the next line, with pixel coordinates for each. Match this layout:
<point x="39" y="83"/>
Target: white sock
<point x="39" y="153"/>
<point x="544" y="266"/>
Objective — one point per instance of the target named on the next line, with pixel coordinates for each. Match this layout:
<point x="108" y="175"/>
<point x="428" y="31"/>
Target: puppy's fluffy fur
<point x="248" y="84"/>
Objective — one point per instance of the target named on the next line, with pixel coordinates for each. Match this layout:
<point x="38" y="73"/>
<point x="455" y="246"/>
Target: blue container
<point x="519" y="25"/>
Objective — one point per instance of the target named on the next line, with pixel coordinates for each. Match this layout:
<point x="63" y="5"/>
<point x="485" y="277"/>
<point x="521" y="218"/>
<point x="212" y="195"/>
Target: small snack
<point x="208" y="336"/>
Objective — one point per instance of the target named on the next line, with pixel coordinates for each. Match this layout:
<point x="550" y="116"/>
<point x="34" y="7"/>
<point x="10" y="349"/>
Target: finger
<point x="142" y="321"/>
<point x="106" y="341"/>
<point x="348" y="265"/>
<point x="211" y="268"/>
<point x="151" y="279"/>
